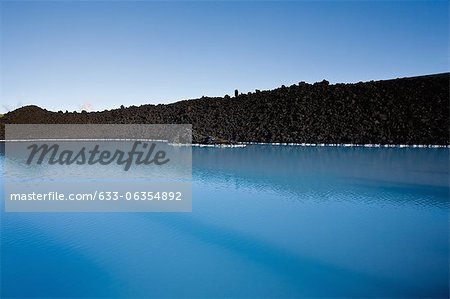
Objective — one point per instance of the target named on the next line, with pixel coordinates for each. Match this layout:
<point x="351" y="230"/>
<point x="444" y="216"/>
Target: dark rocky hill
<point x="400" y="111"/>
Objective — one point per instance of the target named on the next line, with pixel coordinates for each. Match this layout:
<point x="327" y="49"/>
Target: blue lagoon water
<point x="267" y="221"/>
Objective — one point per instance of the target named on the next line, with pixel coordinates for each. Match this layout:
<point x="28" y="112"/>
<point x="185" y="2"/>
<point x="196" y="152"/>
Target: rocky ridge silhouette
<point x="411" y="110"/>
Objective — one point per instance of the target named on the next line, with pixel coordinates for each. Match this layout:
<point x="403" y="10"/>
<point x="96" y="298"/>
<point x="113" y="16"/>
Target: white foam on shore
<point x="218" y="145"/>
<point x="244" y="144"/>
<point x="350" y="145"/>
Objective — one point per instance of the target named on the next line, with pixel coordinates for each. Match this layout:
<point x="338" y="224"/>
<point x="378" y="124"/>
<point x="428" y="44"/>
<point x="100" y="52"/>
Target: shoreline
<point x="244" y="144"/>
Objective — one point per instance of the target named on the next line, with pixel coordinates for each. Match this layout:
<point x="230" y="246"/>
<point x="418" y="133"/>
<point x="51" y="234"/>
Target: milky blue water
<point x="267" y="221"/>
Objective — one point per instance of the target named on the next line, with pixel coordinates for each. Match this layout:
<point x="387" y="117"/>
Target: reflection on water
<point x="316" y="173"/>
<point x="267" y="221"/>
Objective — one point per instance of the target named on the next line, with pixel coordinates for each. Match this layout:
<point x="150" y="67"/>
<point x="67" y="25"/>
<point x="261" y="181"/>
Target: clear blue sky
<point x="63" y="55"/>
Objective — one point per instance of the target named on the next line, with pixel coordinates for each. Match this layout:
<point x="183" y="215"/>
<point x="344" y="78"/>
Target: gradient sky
<point x="100" y="55"/>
